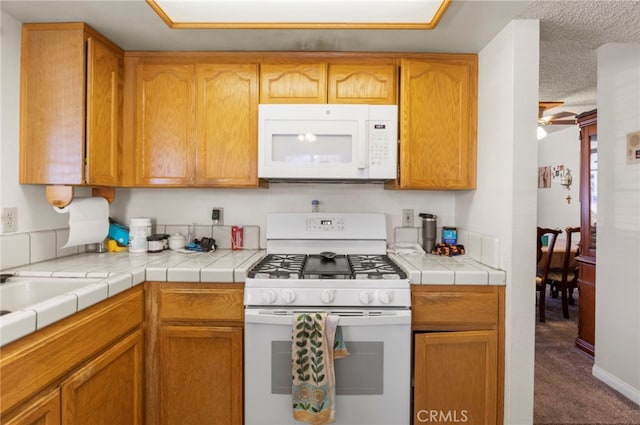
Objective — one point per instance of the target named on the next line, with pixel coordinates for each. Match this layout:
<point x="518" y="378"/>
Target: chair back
<point x="569" y="262"/>
<point x="552" y="234"/>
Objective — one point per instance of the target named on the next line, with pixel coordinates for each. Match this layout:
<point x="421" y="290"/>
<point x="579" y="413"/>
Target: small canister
<point x="237" y="236"/>
<point x="155" y="243"/>
<point x="139" y="230"/>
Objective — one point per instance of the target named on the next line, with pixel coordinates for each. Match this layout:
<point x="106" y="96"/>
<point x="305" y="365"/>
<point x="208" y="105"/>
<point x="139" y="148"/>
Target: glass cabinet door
<point x="588" y="183"/>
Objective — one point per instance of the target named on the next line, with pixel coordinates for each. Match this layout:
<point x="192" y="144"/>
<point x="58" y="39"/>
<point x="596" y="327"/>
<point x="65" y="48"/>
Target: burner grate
<point x="301" y="266"/>
<point x="279" y="266"/>
<point x="375" y="267"/>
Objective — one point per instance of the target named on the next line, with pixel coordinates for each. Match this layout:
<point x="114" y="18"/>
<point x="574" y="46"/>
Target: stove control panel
<point x="309" y="297"/>
<point x="325" y="224"/>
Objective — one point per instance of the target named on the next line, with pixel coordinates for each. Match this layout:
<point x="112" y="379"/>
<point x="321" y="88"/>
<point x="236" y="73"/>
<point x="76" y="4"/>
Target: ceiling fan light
<point x="542" y="133"/>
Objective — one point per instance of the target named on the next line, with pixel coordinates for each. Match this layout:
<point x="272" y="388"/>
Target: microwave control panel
<point x="382" y="149"/>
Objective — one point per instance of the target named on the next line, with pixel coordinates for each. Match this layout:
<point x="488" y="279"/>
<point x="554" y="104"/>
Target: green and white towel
<point x="315" y="345"/>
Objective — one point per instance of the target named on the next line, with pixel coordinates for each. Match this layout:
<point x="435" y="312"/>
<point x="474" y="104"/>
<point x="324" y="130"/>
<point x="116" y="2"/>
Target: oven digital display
<point x="325" y="224"/>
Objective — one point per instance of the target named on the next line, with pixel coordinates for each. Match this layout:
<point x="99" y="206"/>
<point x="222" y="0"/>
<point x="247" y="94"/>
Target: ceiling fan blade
<point x="562" y="114"/>
<point x="558" y="122"/>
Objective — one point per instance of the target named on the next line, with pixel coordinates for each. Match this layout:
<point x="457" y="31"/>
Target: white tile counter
<point x="116" y="272"/>
<point x="428" y="269"/>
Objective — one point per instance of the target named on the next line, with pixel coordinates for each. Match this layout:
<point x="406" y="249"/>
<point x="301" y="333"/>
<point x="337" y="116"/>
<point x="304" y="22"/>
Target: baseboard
<point x="614" y="382"/>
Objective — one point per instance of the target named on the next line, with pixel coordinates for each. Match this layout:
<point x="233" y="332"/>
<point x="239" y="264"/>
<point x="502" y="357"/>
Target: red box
<point x="237" y="236"/>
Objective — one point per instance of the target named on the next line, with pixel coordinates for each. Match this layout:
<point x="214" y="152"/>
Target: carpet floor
<point x="565" y="391"/>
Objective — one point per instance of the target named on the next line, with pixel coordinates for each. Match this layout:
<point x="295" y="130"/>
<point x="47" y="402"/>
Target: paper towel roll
<point x="88" y="220"/>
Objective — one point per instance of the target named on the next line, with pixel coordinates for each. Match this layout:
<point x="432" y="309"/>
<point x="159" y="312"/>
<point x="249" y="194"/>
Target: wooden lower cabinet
<point x="195" y="353"/>
<point x="85" y="369"/>
<point x="455" y="377"/>
<point x="44" y="410"/>
<point x="200" y="375"/>
<point x="587" y="307"/>
<point x="458" y="354"/>
<point x="108" y="390"/>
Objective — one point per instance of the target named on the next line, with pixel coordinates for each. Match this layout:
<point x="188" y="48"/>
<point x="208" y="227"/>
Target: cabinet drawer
<point x="473" y="307"/>
<point x="201" y="304"/>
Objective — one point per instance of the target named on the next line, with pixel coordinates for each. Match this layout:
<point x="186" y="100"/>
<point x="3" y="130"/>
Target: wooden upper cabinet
<point x="293" y="83"/>
<point x="328" y="83"/>
<point x="104" y="130"/>
<point x="166" y="132"/>
<point x="227" y="123"/>
<point x="372" y="84"/>
<point x="69" y="70"/>
<point x="438" y="122"/>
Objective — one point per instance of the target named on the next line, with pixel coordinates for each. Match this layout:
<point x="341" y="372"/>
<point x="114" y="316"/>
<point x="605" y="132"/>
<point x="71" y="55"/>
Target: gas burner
<point x="279" y="266"/>
<point x="375" y="267"/>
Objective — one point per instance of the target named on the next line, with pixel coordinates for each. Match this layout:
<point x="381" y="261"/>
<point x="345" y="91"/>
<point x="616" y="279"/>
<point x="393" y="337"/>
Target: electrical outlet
<point x="407" y="218"/>
<point x="9" y="220"/>
<point x="217" y="216"/>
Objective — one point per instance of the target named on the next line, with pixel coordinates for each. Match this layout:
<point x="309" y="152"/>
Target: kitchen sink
<point x="20" y="292"/>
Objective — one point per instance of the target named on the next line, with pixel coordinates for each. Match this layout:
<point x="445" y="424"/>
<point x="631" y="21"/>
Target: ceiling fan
<point x="557" y="118"/>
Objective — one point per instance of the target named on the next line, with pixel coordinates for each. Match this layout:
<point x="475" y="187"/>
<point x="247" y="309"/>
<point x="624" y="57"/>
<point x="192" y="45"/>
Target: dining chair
<point x="542" y="270"/>
<point x="566" y="278"/>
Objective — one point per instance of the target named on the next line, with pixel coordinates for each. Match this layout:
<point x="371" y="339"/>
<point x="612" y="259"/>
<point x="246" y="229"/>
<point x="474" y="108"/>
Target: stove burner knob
<point x="288" y="296"/>
<point x="365" y="297"/>
<point x="269" y="296"/>
<point x="385" y="297"/>
<point x="328" y="296"/>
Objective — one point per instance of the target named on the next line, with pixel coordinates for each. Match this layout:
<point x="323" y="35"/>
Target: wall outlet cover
<point x="9" y="220"/>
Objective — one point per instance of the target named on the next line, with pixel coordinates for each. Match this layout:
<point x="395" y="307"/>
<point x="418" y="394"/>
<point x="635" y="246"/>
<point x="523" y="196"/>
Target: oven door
<point x="372" y="383"/>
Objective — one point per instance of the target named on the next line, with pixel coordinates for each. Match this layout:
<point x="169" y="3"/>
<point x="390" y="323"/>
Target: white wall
<point x="504" y="203"/>
<point x="617" y="342"/>
<point x="249" y="206"/>
<point x="560" y="148"/>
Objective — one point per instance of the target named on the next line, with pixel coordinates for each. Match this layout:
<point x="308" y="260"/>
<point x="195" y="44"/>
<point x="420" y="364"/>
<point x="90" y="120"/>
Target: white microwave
<point x="327" y="142"/>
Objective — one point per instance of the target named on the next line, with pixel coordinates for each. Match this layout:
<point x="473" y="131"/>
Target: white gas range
<point x="336" y="263"/>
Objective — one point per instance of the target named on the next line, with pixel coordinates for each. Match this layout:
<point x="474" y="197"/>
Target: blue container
<point x="119" y="233"/>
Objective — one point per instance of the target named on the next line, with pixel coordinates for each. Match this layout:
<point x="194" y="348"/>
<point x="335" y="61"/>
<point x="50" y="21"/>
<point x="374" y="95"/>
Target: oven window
<point x="312" y="149"/>
<point x="360" y="373"/>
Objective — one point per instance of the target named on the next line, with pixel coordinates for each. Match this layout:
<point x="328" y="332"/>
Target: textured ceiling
<point x="570" y="33"/>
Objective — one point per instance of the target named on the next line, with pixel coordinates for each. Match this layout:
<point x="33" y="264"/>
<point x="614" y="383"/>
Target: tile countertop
<point x="115" y="273"/>
<point x="428" y="269"/>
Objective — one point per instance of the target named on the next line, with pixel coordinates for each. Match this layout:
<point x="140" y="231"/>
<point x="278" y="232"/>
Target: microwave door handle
<point x="363" y="148"/>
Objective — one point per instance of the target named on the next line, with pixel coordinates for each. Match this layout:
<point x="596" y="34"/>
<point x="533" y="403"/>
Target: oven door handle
<point x="284" y="317"/>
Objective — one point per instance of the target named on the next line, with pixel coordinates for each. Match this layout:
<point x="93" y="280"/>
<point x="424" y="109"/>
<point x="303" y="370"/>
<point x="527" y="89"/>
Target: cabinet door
<point x="455" y="377"/>
<point x="227" y="120"/>
<point x="104" y="105"/>
<point x="586" y="310"/>
<point x="43" y="411"/>
<point x="438" y="124"/>
<point x="200" y="375"/>
<point x="166" y="136"/>
<point x="370" y="84"/>
<point x="293" y="83"/>
<point x="108" y="390"/>
<point x="52" y="107"/>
